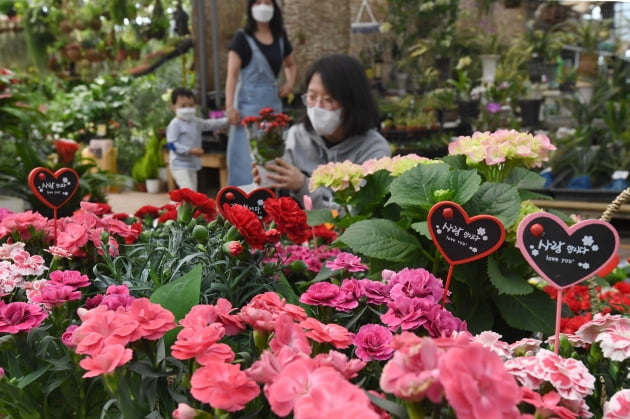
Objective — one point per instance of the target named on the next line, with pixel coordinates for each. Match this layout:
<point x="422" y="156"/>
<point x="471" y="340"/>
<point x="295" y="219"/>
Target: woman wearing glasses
<point x="340" y="124"/>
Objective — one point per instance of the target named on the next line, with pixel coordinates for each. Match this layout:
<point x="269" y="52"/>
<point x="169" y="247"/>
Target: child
<point x="183" y="137"/>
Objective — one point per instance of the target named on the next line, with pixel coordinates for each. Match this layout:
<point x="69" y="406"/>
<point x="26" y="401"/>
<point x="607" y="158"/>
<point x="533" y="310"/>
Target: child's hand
<point x="196" y="151"/>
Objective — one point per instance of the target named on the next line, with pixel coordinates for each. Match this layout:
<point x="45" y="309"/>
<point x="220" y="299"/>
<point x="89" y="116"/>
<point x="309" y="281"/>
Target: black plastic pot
<point x="530" y="112"/>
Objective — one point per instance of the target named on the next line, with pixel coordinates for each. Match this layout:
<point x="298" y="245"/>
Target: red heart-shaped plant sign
<point x="461" y="238"/>
<point x="254" y="200"/>
<point x="563" y="255"/>
<point x="53" y="189"/>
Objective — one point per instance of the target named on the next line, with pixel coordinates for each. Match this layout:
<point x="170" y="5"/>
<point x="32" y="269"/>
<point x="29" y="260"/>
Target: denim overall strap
<point x="257" y="88"/>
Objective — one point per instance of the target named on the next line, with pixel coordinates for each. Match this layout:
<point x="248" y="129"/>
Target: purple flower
<point x="347" y="261"/>
<point x="493" y="107"/>
<point x="373" y="341"/>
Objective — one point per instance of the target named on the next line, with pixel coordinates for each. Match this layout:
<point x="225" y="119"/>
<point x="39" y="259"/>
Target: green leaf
<point x="427" y="184"/>
<point x="510" y="283"/>
<point x="179" y="296"/>
<point x="319" y="216"/>
<point x="456" y="161"/>
<point x="373" y="192"/>
<point x="421" y="228"/>
<point x="534" y="312"/>
<point x="389" y="406"/>
<point x="522" y="178"/>
<point x="496" y="199"/>
<point x="382" y="239"/>
<point x="284" y="288"/>
<point x="29" y="378"/>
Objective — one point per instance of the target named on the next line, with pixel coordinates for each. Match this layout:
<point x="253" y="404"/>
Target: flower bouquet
<point x="266" y="133"/>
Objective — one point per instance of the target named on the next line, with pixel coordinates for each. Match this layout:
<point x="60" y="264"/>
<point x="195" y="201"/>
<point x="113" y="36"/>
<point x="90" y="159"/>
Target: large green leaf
<point x="522" y="178"/>
<point x="382" y="239"/>
<point x="427" y="184"/>
<point x="509" y="283"/>
<point x="373" y="192"/>
<point x="179" y="296"/>
<point x="319" y="216"/>
<point x="534" y="312"/>
<point x="496" y="199"/>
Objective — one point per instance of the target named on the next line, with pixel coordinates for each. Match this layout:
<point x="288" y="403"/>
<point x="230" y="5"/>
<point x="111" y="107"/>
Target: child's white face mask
<point x="262" y="13"/>
<point x="185" y="114"/>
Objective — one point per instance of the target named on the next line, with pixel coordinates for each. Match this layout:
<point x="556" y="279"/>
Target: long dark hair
<point x="276" y="25"/>
<point x="345" y="80"/>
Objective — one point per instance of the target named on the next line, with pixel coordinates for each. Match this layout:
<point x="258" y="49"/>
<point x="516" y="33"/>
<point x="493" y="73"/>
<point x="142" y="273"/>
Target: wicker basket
<point x="607" y="215"/>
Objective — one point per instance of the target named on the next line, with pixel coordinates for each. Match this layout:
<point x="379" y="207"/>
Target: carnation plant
<point x="266" y="134"/>
<point x="190" y="313"/>
<point x="388" y="201"/>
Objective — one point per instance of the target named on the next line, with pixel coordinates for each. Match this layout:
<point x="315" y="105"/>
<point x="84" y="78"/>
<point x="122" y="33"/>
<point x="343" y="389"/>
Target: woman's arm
<point x="290" y="73"/>
<point x="233" y="73"/>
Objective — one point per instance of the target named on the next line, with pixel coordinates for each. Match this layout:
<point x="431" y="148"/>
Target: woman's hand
<point x="233" y="116"/>
<point x="283" y="175"/>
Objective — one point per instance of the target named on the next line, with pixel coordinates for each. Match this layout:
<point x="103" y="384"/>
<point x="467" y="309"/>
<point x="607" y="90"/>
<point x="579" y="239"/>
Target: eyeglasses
<point x="325" y="102"/>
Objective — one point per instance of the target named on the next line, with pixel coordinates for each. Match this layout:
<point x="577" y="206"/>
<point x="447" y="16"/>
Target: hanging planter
<point x="489" y="67"/>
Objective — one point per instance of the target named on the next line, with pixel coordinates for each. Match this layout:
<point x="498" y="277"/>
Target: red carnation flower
<point x="289" y="217"/>
<point x="247" y="223"/>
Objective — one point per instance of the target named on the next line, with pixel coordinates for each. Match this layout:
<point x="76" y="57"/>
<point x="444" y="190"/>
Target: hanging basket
<point x="607" y="215"/>
<point x="359" y="26"/>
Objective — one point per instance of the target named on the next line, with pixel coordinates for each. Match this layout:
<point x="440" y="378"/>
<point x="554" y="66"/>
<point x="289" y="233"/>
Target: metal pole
<point x="215" y="54"/>
<point x="201" y="53"/>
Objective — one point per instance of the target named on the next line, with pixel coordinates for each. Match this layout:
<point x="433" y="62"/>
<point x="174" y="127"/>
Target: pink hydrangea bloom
<point x="373" y="342"/>
<point x="477" y="385"/>
<point x="618" y="407"/>
<point x="223" y="386"/>
<point x="106" y="361"/>
<point x="347" y="261"/>
<point x="337" y="176"/>
<point x="20" y="317"/>
<point x="395" y="165"/>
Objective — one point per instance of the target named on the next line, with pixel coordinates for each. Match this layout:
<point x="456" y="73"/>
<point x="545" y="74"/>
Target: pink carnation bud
<point x="234" y="248"/>
<point x="272" y="236"/>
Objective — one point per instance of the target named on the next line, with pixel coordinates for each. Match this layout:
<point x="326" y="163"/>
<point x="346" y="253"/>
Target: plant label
<point x="253" y="200"/>
<point x="565" y="256"/>
<point x="461" y="238"/>
<point x="53" y="189"/>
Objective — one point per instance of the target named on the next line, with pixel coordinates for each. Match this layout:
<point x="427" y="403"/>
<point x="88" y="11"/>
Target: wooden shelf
<point x="584" y="208"/>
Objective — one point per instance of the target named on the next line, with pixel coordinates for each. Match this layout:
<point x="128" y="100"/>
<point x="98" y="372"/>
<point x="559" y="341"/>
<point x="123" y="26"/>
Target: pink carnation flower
<point x="321" y="294"/>
<point x="347" y="261"/>
<point x="476" y="383"/>
<point x="71" y="278"/>
<point x="569" y="376"/>
<point x="332" y="333"/>
<point x="56" y="294"/>
<point x="153" y="320"/>
<point x="106" y="361"/>
<point x="20" y="317"/>
<point x="25" y="264"/>
<point x="615" y="341"/>
<point x="373" y="342"/>
<point x="223" y="386"/>
<point x="618" y="407"/>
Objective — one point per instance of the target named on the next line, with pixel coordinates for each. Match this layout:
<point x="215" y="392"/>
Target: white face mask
<point x="324" y="122"/>
<point x="185" y="114"/>
<point x="262" y="13"/>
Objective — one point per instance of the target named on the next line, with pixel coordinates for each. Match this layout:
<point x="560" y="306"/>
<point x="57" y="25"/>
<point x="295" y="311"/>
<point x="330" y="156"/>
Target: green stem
<point x="414" y="410"/>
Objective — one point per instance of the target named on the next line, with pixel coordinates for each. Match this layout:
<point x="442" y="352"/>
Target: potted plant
<point x="146" y="170"/>
<point x="545" y="45"/>
<point x="587" y="34"/>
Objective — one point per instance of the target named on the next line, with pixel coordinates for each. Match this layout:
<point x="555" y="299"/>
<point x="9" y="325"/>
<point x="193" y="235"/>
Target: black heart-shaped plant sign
<point x="253" y="200"/>
<point x="563" y="255"/>
<point x="461" y="238"/>
<point x="53" y="189"/>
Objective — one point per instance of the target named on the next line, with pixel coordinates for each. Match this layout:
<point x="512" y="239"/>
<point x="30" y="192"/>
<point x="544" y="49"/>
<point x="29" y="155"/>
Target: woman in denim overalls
<point x="256" y="55"/>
